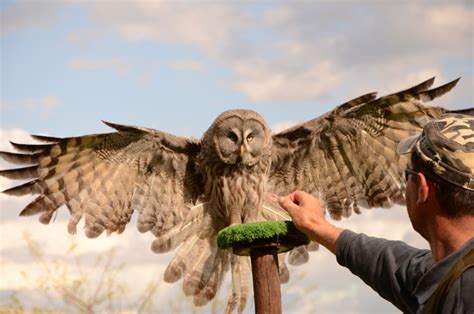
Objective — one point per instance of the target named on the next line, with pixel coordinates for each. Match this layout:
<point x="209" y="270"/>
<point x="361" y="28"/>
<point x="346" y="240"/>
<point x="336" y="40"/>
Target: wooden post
<point x="266" y="280"/>
<point x="263" y="241"/>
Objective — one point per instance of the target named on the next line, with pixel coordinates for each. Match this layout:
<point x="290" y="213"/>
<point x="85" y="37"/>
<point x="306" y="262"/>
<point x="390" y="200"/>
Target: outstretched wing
<point x="104" y="177"/>
<point x="348" y="157"/>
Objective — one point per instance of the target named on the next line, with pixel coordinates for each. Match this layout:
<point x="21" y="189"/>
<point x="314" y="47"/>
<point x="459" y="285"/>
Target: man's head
<point x="444" y="154"/>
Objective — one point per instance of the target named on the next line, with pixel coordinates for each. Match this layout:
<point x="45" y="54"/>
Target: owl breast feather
<point x="236" y="193"/>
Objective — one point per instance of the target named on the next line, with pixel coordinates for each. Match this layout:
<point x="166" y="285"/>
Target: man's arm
<point x="391" y="268"/>
<point x="307" y="215"/>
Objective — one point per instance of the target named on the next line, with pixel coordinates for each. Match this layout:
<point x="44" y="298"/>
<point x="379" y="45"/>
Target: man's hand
<point x="307" y="215"/>
<point x="305" y="211"/>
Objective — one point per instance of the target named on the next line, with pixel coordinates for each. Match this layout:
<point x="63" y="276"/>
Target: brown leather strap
<point x="436" y="301"/>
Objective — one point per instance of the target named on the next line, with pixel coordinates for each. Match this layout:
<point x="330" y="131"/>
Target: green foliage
<point x="282" y="234"/>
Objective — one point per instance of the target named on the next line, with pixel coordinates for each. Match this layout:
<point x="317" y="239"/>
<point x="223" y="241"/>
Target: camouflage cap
<point x="446" y="145"/>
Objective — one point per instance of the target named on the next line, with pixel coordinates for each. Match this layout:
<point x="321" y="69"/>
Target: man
<point x="440" y="205"/>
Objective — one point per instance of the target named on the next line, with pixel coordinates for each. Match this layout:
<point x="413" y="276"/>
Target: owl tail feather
<point x="240" y="284"/>
<point x="170" y="239"/>
<point x="298" y="255"/>
<point x="178" y="265"/>
<point x="283" y="269"/>
<point x="200" y="263"/>
<point x="205" y="278"/>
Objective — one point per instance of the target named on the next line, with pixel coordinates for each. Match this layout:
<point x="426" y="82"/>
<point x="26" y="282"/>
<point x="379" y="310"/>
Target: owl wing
<point x="104" y="177"/>
<point x="348" y="157"/>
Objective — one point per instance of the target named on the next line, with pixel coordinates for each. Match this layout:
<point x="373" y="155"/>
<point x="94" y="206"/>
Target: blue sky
<point x="66" y="65"/>
<point x="174" y="66"/>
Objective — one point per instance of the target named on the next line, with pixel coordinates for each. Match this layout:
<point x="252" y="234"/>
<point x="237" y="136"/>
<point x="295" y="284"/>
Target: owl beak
<point x="242" y="151"/>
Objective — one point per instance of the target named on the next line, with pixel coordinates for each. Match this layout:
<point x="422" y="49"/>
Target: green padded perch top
<point x="280" y="234"/>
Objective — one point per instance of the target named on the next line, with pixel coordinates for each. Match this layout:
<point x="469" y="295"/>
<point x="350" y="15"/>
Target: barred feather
<point x="427" y="95"/>
<point x="212" y="278"/>
<point x="20" y="159"/>
<point x="20" y="173"/>
<point x="32" y="187"/>
<point x="240" y="266"/>
<point x="283" y="269"/>
<point x="298" y="256"/>
<point x="348" y="156"/>
<point x="30" y="148"/>
<point x="179" y="264"/>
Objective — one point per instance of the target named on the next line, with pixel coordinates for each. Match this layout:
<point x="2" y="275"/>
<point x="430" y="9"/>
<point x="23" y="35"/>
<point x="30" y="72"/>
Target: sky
<point x="175" y="65"/>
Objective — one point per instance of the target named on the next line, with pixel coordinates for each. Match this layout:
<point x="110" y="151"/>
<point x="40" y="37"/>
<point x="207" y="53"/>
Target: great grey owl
<point x="186" y="190"/>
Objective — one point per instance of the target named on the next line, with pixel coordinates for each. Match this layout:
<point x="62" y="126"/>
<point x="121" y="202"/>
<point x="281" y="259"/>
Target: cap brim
<point x="407" y="145"/>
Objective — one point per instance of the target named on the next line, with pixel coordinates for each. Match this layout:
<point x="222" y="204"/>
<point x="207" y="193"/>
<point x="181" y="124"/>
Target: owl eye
<point x="232" y="137"/>
<point x="249" y="138"/>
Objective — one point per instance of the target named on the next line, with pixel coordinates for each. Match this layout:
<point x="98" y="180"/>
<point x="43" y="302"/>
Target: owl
<point x="186" y="190"/>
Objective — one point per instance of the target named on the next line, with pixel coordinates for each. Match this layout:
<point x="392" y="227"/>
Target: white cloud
<point x="400" y="74"/>
<point x="281" y="126"/>
<point x="452" y="21"/>
<point x="265" y="81"/>
<point x="303" y="51"/>
<point x="367" y="46"/>
<point x="291" y="52"/>
<point x="28" y="15"/>
<point x="117" y="65"/>
<point x="203" y="24"/>
<point x="188" y="65"/>
<point x="361" y="34"/>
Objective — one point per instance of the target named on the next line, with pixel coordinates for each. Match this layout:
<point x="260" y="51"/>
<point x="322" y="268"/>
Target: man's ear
<point x="423" y="189"/>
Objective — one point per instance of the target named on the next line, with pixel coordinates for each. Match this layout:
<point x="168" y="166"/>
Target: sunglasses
<point x="409" y="171"/>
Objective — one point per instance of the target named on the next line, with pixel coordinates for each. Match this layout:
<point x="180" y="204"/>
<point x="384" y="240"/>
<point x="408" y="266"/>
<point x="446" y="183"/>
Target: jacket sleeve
<point x="391" y="268"/>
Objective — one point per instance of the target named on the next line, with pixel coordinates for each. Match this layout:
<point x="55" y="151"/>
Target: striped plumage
<point x="347" y="157"/>
<point x="186" y="190"/>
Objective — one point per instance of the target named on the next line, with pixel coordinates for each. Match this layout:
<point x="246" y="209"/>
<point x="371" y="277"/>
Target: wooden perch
<point x="263" y="241"/>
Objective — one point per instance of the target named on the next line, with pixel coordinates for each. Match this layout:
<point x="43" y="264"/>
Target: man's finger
<point x="287" y="204"/>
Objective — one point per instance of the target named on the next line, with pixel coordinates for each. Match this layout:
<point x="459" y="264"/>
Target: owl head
<point x="239" y="137"/>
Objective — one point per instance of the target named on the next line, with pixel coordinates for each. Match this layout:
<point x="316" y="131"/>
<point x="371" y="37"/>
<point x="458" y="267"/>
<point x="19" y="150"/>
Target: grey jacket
<point x="404" y="275"/>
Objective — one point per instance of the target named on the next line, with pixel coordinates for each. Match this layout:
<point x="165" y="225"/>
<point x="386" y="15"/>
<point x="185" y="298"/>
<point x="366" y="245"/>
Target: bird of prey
<point x="186" y="190"/>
